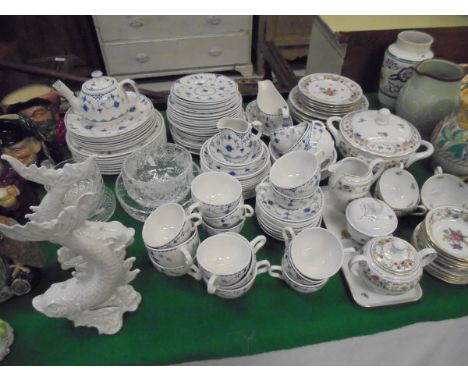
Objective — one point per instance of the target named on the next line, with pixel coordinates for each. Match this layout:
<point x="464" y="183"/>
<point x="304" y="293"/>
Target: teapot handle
<point x="132" y="84"/>
<point x="421" y="155"/>
<point x="333" y="129"/>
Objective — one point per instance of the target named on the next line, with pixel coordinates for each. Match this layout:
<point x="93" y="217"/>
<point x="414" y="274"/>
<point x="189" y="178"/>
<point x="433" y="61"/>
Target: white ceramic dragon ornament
<point x="99" y="293"/>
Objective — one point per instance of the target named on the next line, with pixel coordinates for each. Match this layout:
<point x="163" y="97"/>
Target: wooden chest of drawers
<point x="147" y="46"/>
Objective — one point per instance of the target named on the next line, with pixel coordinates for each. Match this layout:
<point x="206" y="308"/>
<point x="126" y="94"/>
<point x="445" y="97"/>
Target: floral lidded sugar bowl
<point x="391" y="264"/>
<point x="367" y="218"/>
<point x="102" y="99"/>
<point x="372" y="134"/>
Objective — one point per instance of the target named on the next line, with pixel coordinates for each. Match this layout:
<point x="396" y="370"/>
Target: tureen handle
<point x="132" y="84"/>
<point x="421" y="155"/>
<point x="333" y="129"/>
<point x="428" y="255"/>
<point x="354" y="261"/>
<point x="286" y="231"/>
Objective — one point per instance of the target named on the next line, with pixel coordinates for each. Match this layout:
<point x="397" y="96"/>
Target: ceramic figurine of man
<point x="40" y="105"/>
<point x="16" y="194"/>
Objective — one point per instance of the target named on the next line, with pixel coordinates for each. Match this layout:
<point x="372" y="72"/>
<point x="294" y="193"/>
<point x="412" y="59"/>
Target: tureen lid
<point x="394" y="255"/>
<point x="371" y="217"/>
<point x="98" y="83"/>
<point x="380" y="132"/>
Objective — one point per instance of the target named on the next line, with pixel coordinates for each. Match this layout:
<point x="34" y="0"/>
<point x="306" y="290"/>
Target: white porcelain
<point x="176" y="255"/>
<point x="351" y="178"/>
<point x="236" y="138"/>
<point x="216" y="193"/>
<point x="235" y="228"/>
<point x="410" y="48"/>
<point x="178" y="271"/>
<point x="269" y="99"/>
<point x="380" y="134"/>
<point x="367" y="218"/>
<point x="399" y="189"/>
<point x="444" y="190"/>
<point x="282" y="273"/>
<point x="225" y="258"/>
<point x="296" y="174"/>
<point x="391" y="264"/>
<point x="447" y="228"/>
<point x="102" y="99"/>
<point x="367" y="296"/>
<point x="315" y="253"/>
<point x="95" y="251"/>
<point x="331" y="89"/>
<point x="258" y="268"/>
<point x="309" y="213"/>
<point x="269" y="121"/>
<point x="168" y="226"/>
<point x="284" y="138"/>
<point x="240" y="212"/>
<point x="287" y="202"/>
<point x="204" y="88"/>
<point x="154" y="175"/>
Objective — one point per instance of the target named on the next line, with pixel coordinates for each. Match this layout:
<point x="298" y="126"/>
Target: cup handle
<point x="438" y="170"/>
<point x="284" y="110"/>
<point x="188" y="257"/>
<point x="285" y="232"/>
<point x="257" y="125"/>
<point x="132" y="84"/>
<point x="248" y="211"/>
<point x="423" y="154"/>
<point x="354" y="261"/>
<point x="332" y="129"/>
<point x="210" y="286"/>
<point x="258" y="243"/>
<point x="196" y="219"/>
<point x="276" y="271"/>
<point x="195" y="272"/>
<point x="349" y="250"/>
<point x="262" y="187"/>
<point x="193" y="207"/>
<point x="420" y="210"/>
<point x="428" y="255"/>
<point x="263" y="267"/>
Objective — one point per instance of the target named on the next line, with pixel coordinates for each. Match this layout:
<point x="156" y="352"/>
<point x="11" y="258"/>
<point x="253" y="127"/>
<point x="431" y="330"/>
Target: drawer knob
<point x="215" y="52"/>
<point x="142" y="58"/>
<point x="136" y="23"/>
<point x="214" y="20"/>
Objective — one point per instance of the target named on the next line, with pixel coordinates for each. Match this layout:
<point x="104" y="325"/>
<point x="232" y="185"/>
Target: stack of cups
<point x="171" y="239"/>
<point x="218" y="197"/>
<point x="228" y="264"/>
<point x="310" y="259"/>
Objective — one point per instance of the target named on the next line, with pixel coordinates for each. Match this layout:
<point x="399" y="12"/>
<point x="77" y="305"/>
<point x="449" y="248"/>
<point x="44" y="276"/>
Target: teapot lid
<point x="380" y="132"/>
<point x="394" y="255"/>
<point x="98" y="83"/>
<point x="371" y="217"/>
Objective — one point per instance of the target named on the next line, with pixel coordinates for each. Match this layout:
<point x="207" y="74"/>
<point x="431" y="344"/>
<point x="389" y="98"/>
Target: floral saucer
<point x="307" y="212"/>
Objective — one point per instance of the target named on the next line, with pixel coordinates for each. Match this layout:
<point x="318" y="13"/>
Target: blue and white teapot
<point x="102" y="99"/>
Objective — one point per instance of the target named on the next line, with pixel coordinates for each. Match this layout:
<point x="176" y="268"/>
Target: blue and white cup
<point x="169" y="225"/>
<point x="224" y="259"/>
<point x="240" y="213"/>
<point x="296" y="174"/>
<point x="177" y="256"/>
<point x="215" y="194"/>
<point x="236" y="138"/>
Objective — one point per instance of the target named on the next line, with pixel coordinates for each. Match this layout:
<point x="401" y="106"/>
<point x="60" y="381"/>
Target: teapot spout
<point x="67" y="94"/>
